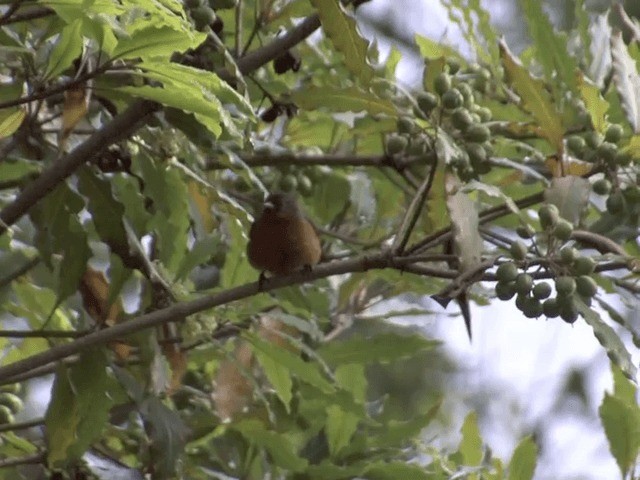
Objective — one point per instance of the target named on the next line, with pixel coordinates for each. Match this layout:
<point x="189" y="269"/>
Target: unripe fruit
<point x="593" y="139"/>
<point x="452" y="99"/>
<point x="563" y="229"/>
<point x="505" y="291"/>
<point x="6" y="416"/>
<point x="576" y="144"/>
<point x="467" y="94"/>
<point x="442" y="83"/>
<point x="476" y="153"/>
<point x="12" y="401"/>
<point x="614" y="133"/>
<point x="622" y="159"/>
<point x="405" y="125"/>
<point x="565" y="286"/>
<point x="607" y="151"/>
<point x="518" y="250"/>
<point x="305" y="187"/>
<point x="193" y="3"/>
<point x="549" y="215"/>
<point x="532" y="308"/>
<point x="396" y="144"/>
<point x="602" y="186"/>
<point x="550" y="308"/>
<point x="583" y="266"/>
<point x="427" y="102"/>
<point x="523" y="283"/>
<point x="615" y="203"/>
<point x="202" y="16"/>
<point x="478" y="133"/>
<point x="461" y="119"/>
<point x="568" y="255"/>
<point x="568" y="310"/>
<point x="521" y="301"/>
<point x="586" y="286"/>
<point x="541" y="290"/>
<point x="288" y="183"/>
<point x="525" y="231"/>
<point x="454" y="65"/>
<point x="485" y="114"/>
<point x="507" y="272"/>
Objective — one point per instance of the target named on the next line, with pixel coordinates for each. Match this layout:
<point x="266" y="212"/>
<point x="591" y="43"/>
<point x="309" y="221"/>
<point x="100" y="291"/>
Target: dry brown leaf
<point x="76" y="104"/>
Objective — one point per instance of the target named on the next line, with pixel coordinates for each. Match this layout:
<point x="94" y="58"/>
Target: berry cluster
<point x="572" y="273"/>
<point x="10" y="402"/>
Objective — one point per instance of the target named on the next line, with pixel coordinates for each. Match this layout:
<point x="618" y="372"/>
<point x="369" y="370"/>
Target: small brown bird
<point x="282" y="240"/>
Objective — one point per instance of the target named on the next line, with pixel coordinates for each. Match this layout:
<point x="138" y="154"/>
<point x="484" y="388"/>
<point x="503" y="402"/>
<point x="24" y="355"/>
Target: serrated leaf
<point x="571" y="195"/>
<point x="343" y="33"/>
<point x="551" y="47"/>
<point x="168" y="435"/>
<point x="351" y="99"/>
<point x="609" y="339"/>
<point x="471" y="443"/>
<point x="599" y="48"/>
<point x="154" y="41"/>
<point x="523" y="461"/>
<point x="79" y="408"/>
<point x="596" y="105"/>
<point x="492" y="191"/>
<point x="395" y="470"/>
<point x="534" y="97"/>
<point x="623" y="388"/>
<point x="278" y="446"/>
<point x="306" y="371"/>
<point x="66" y="50"/>
<point x="339" y="428"/>
<point x="626" y="80"/>
<point x="381" y="348"/>
<point x="106" y="211"/>
<point x="10" y="121"/>
<point x="621" y="423"/>
<point x="431" y="49"/>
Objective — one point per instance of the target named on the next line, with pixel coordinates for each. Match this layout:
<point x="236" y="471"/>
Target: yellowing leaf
<point x="76" y="103"/>
<point x="596" y="105"/>
<point x="10" y="121"/>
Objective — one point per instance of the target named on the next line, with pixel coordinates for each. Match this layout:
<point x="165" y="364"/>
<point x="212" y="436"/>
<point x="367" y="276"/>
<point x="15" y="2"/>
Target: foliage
<point x="137" y="140"/>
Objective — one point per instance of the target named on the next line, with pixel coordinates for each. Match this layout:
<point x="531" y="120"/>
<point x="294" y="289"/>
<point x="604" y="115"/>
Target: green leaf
<point x="523" y="462"/>
<point x="342" y="31"/>
<point x="471" y="443"/>
<point x="395" y="433"/>
<point x="626" y="80"/>
<point x="596" y="105"/>
<point x="623" y="388"/>
<point x="609" y="339"/>
<point x="277" y="445"/>
<point x="67" y="49"/>
<point x="352" y="378"/>
<point x="351" y="99"/>
<point x="75" y="255"/>
<point x="534" y="97"/>
<point x="278" y="376"/>
<point x="431" y="49"/>
<point x="330" y="194"/>
<point x="381" y="348"/>
<point x="13" y="169"/>
<point x="168" y="435"/>
<point x="10" y="121"/>
<point x="339" y="429"/>
<point x="571" y="195"/>
<point x="305" y="371"/>
<point x="551" y="48"/>
<point x="621" y="423"/>
<point x="79" y="408"/>
<point x="106" y="212"/>
<point x="157" y="41"/>
<point x="396" y="470"/>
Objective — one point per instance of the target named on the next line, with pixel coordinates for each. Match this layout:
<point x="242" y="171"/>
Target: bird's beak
<point x="269" y="206"/>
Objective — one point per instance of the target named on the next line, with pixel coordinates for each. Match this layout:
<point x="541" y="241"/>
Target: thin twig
<point x="26" y="460"/>
<point x="42" y="333"/>
<point x="11" y="427"/>
<point x="20" y="271"/>
<point x="32" y="14"/>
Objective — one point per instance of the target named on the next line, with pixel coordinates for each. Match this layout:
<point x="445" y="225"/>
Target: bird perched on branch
<point x="282" y="240"/>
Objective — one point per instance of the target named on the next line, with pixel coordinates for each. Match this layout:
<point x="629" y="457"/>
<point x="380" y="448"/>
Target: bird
<point x="282" y="240"/>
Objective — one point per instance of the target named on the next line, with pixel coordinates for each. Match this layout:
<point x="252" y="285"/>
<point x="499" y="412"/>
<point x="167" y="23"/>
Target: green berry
<point x="478" y="133"/>
<point x="583" y="266"/>
<point x="563" y="229"/>
<point x="405" y="125"/>
<point x="593" y="139"/>
<point x="484" y="113"/>
<point x="565" y="286"/>
<point x="476" y="153"/>
<point x="622" y="159"/>
<point x="532" y="308"/>
<point x="525" y="231"/>
<point x="549" y="215"/>
<point x="427" y="102"/>
<point x="417" y="146"/>
<point x="6" y="416"/>
<point x="507" y="272"/>
<point x="454" y="65"/>
<point x="12" y="401"/>
<point x="568" y="255"/>
<point x="523" y="283"/>
<point x="467" y="93"/>
<point x="550" y="308"/>
<point x="288" y="183"/>
<point x="602" y="186"/>
<point x="614" y="133"/>
<point x="615" y="203"/>
<point x="505" y="291"/>
<point x="461" y="119"/>
<point x="576" y="144"/>
<point x="586" y="286"/>
<point x="521" y="301"/>
<point x="305" y="186"/>
<point x="202" y="16"/>
<point x="452" y="99"/>
<point x="607" y="151"/>
<point x="568" y="309"/>
<point x="442" y="83"/>
<point x="396" y="144"/>
<point x="541" y="290"/>
<point x="193" y="3"/>
<point x="518" y="250"/>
